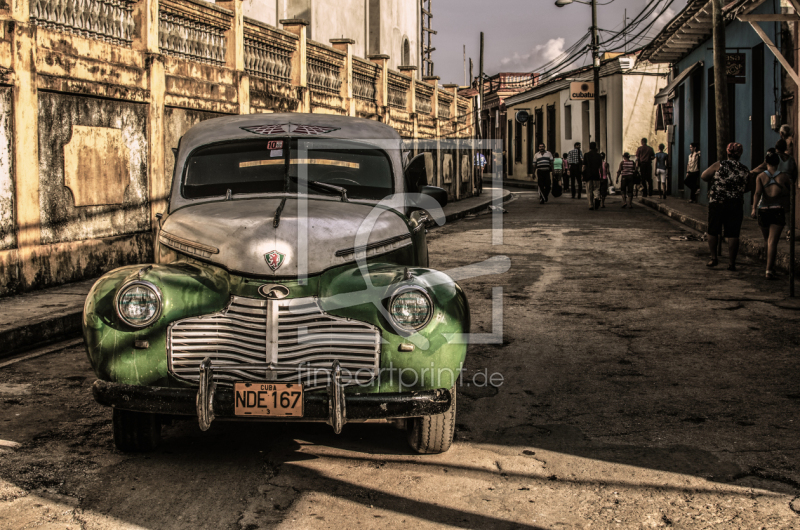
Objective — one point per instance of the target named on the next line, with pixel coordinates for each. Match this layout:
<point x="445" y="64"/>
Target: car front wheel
<point x="434" y="434"/>
<point x="136" y="432"/>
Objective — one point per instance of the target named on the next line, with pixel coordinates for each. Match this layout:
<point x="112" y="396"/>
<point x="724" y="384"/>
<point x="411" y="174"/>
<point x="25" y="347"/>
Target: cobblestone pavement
<point x="640" y="390"/>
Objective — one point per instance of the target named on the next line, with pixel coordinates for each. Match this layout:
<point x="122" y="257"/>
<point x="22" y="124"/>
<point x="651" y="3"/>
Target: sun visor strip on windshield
<point x="300" y="162"/>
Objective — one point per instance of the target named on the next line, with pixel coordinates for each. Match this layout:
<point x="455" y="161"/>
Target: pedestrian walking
<point x="692" y="180"/>
<point x="544" y="168"/>
<point x="727" y="179"/>
<point x="575" y="160"/>
<point x="770" y="204"/>
<point x="788" y="136"/>
<point x="644" y="162"/>
<point x="662" y="164"/>
<point x="558" y="169"/>
<point x="604" y="180"/>
<point x="591" y="176"/>
<point x="625" y="177"/>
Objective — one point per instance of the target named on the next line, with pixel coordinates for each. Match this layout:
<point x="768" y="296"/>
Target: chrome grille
<point x="274" y="340"/>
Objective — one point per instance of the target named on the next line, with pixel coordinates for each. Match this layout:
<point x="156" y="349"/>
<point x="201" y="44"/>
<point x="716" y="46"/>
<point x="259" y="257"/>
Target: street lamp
<point x="595" y="62"/>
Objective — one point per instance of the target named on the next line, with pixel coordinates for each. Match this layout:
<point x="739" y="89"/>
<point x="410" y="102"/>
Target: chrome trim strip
<point x="185" y="245"/>
<point x="372" y="246"/>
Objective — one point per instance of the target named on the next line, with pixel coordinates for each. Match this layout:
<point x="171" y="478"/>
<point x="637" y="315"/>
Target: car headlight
<point x="411" y="309"/>
<point x="139" y="304"/>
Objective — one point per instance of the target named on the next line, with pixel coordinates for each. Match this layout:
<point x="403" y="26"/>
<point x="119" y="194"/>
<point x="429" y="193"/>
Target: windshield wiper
<point x="326" y="187"/>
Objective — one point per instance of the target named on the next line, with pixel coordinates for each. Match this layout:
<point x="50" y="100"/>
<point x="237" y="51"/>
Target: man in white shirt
<point x="543" y="161"/>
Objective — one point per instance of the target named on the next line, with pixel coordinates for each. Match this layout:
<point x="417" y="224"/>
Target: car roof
<point x="252" y="126"/>
<point x="296" y="125"/>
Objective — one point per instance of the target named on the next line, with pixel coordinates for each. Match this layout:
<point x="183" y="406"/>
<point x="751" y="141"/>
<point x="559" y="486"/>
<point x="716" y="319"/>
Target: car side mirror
<point x="416" y="174"/>
<point x="438" y="194"/>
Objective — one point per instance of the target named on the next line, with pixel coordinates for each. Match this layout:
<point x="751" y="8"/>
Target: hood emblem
<point x="274" y="259"/>
<point x="273" y="292"/>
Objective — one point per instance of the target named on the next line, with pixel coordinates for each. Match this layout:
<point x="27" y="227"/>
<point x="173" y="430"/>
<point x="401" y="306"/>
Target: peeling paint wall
<point x="176" y="123"/>
<point x="61" y="220"/>
<point x="7" y="215"/>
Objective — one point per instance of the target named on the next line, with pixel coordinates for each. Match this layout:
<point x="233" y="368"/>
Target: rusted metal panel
<point x="61" y="219"/>
<point x="96" y="166"/>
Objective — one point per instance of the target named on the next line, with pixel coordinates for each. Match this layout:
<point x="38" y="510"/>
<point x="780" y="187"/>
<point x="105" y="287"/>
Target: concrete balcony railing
<point x="398" y="87"/>
<point x="325" y="66"/>
<point x="268" y="52"/>
<point x="193" y="30"/>
<point x="365" y="80"/>
<point x="106" y="20"/>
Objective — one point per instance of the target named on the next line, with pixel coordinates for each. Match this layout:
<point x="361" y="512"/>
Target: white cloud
<point x="536" y="57"/>
<point x="668" y="15"/>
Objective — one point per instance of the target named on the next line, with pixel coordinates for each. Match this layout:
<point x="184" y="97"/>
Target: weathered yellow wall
<point x="87" y="125"/>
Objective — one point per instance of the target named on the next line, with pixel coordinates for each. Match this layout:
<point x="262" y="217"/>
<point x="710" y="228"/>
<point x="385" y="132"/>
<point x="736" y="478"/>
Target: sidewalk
<point x="42" y="317"/>
<point x="751" y="242"/>
<point x="32" y="319"/>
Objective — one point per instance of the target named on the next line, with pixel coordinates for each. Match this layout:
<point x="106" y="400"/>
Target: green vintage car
<point x="290" y="283"/>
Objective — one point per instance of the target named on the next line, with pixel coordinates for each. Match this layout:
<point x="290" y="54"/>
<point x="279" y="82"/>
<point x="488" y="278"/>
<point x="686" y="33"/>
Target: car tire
<point x="433" y="434"/>
<point x="136" y="432"/>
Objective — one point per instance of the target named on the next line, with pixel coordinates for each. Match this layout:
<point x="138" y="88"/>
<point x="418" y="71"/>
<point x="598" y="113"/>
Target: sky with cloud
<point x="523" y="35"/>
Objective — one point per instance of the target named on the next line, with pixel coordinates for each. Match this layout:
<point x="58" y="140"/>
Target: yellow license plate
<point x="268" y="399"/>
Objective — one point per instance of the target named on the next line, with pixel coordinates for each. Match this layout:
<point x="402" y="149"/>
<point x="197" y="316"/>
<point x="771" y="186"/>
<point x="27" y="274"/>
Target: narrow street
<point x="640" y="390"/>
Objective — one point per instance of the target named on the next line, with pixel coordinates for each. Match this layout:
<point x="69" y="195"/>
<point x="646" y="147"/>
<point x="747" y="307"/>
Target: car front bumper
<point x="211" y="402"/>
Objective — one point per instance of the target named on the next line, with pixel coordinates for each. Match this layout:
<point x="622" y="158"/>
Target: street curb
<point x="24" y="338"/>
<point x="748" y="246"/>
<point x="68" y="325"/>
<point x="523" y="184"/>
<point x="455" y="216"/>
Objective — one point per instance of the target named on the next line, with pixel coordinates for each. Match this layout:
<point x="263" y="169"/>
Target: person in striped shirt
<point x="625" y="175"/>
<point x="575" y="160"/>
<point x="544" y="167"/>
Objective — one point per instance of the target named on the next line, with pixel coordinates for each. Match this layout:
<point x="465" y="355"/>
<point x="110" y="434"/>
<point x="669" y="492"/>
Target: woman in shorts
<point x="558" y="169"/>
<point x="662" y="161"/>
<point x="770" y="203"/>
<point x="625" y="177"/>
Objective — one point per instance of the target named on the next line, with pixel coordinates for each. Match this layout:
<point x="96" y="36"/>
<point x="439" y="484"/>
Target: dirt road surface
<point x="640" y="390"/>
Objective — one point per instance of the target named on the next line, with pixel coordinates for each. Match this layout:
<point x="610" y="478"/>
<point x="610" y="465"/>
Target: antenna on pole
<point x="427" y="49"/>
<point x="625" y="29"/>
<point x="465" y="65"/>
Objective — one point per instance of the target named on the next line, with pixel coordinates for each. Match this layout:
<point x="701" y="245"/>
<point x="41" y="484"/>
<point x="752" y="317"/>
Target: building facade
<point x="758" y="99"/>
<point x="627" y="85"/>
<point x="378" y="27"/>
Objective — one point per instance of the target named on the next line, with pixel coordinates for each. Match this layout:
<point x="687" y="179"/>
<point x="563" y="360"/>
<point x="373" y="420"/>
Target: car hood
<point x="241" y="235"/>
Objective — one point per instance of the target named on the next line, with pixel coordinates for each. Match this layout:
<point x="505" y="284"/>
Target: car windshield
<point x="277" y="165"/>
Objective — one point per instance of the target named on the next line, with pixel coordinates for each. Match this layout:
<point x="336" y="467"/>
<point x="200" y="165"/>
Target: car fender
<point x="438" y="349"/>
<point x="186" y="290"/>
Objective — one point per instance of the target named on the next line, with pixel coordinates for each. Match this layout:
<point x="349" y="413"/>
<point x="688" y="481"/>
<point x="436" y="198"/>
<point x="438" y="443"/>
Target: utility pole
<point x="596" y="59"/>
<point x="480" y="90"/>
<point x="465" y="65"/>
<point x="625" y="29"/>
<point x="720" y="82"/>
<point x="792" y="214"/>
